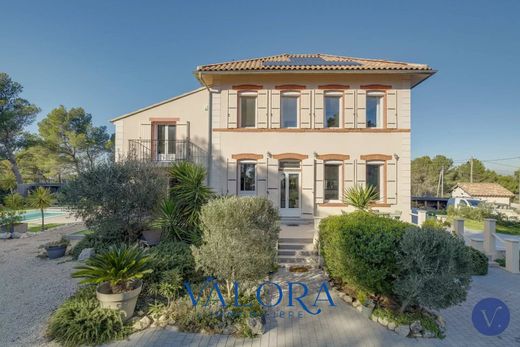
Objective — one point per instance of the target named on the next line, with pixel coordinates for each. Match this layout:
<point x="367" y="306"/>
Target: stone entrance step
<point x="296" y="251"/>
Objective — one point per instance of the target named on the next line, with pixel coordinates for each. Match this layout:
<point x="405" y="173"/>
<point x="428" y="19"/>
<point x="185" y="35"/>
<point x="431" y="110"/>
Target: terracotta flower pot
<point x="124" y="302"/>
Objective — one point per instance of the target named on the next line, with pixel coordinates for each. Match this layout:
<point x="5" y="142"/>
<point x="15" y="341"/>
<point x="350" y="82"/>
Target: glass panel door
<point x="289" y="194"/>
<point x="166" y="140"/>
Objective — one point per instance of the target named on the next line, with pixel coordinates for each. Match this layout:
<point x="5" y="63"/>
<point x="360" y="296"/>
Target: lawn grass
<point x="504" y="229"/>
<point x="37" y="227"/>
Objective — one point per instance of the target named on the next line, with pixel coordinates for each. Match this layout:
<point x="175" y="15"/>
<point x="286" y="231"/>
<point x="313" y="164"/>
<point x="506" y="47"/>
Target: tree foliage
<point x="15" y="115"/>
<point x="71" y="135"/>
<point x="116" y="199"/>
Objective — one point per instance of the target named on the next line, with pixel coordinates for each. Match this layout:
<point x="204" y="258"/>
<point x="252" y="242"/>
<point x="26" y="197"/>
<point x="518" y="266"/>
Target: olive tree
<point x="435" y="269"/>
<point x="116" y="199"/>
<point x="239" y="237"/>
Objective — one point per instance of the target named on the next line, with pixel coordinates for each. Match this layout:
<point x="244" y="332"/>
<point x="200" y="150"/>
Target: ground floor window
<point x="247" y="178"/>
<point x="331" y="182"/>
<point x="374" y="177"/>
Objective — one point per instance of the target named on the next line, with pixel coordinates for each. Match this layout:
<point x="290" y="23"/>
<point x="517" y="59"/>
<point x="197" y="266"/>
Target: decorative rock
<point x="403" y="330"/>
<point x="4" y="236"/>
<point x="382" y="321"/>
<point x="256" y="325"/>
<point x="229" y="330"/>
<point x="374" y="318"/>
<point x="141" y="323"/>
<point x="359" y="308"/>
<point x="356" y="304"/>
<point x="86" y="253"/>
<point x="416" y="327"/>
<point x="428" y="334"/>
<point x="348" y="299"/>
<point x="391" y="326"/>
<point x="16" y="235"/>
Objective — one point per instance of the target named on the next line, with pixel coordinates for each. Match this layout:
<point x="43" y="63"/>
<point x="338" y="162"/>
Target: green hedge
<point x="359" y="249"/>
<point x="479" y="261"/>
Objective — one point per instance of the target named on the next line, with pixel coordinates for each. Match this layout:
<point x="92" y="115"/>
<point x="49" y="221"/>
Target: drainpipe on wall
<point x="210" y="127"/>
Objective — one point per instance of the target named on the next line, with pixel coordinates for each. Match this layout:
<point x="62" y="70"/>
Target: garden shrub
<point x="479" y="261"/>
<point x="169" y="256"/>
<point x="434" y="223"/>
<point x="81" y="321"/>
<point x="435" y="269"/>
<point x="91" y="241"/>
<point x="238" y="240"/>
<point x="116" y="199"/>
<point x="359" y="249"/>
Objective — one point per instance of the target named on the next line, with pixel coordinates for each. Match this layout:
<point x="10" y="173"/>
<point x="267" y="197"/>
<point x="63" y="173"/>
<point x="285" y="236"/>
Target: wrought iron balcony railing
<point x="166" y="151"/>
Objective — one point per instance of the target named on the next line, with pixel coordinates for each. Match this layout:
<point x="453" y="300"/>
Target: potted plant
<point x="152" y="236"/>
<point x="117" y="273"/>
<point x="56" y="249"/>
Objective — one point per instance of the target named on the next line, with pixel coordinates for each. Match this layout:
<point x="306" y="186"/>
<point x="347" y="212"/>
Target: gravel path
<point x="31" y="287"/>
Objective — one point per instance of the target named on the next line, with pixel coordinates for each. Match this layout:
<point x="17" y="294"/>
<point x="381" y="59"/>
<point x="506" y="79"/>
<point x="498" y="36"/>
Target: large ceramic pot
<point x="125" y="302"/>
<point x="153" y="236"/>
<point x="20" y="228"/>
<point x="54" y="252"/>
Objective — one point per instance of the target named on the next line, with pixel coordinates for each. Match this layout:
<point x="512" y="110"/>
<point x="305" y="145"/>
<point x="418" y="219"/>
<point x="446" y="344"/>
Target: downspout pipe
<point x="210" y="127"/>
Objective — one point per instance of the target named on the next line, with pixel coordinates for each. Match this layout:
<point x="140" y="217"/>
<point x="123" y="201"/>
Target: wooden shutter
<point x="391" y="182"/>
<point x="318" y="108"/>
<point x="307" y="199"/>
<point x="361" y="112"/>
<point x="305" y="109"/>
<point x="232" y="177"/>
<point x="348" y="174"/>
<point x="275" y="110"/>
<point x="391" y="108"/>
<point x="273" y="182"/>
<point x="361" y="172"/>
<point x="348" y="108"/>
<point x="262" y="108"/>
<point x="261" y="178"/>
<point x="319" y="173"/>
<point x="232" y="109"/>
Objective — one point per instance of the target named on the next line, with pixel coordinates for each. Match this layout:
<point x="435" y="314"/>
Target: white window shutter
<point x="361" y="108"/>
<point x="391" y="108"/>
<point x="275" y="109"/>
<point x="261" y="178"/>
<point x="348" y="175"/>
<point x="318" y="108"/>
<point x="391" y="182"/>
<point x="305" y="109"/>
<point x="273" y="182"/>
<point x="307" y="197"/>
<point x="262" y="108"/>
<point x="232" y="177"/>
<point x="232" y="109"/>
<point x="361" y="172"/>
<point x="348" y="108"/>
<point x="319" y="172"/>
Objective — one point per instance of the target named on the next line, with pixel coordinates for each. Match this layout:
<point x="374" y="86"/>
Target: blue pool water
<point x="30" y="215"/>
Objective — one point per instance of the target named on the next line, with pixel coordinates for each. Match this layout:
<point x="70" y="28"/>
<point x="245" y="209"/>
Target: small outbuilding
<point x="489" y="192"/>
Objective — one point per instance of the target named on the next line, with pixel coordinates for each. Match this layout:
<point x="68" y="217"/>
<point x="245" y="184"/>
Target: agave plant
<point x="119" y="266"/>
<point x="360" y="197"/>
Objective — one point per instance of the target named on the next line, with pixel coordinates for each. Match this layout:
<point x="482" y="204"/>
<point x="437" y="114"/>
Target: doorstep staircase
<point x="295" y="249"/>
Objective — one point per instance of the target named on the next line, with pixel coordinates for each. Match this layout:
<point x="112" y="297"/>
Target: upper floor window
<point x="289" y="101"/>
<point x="375" y="106"/>
<point x="331" y="182"/>
<point x="247" y="178"/>
<point x="247" y="110"/>
<point x="332" y="109"/>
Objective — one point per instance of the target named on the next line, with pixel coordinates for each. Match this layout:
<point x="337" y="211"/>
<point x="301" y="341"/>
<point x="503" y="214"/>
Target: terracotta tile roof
<point x="485" y="189"/>
<point x="311" y="62"/>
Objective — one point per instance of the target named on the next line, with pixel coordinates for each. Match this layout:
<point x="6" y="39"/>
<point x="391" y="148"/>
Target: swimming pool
<point x="35" y="214"/>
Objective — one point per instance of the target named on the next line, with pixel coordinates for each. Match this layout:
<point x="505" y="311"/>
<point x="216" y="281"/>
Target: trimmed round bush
<point x="359" y="249"/>
<point x="479" y="261"/>
<point x="435" y="269"/>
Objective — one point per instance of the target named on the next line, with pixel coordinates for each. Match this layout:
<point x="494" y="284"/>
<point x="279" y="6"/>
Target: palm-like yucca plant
<point x="119" y="266"/>
<point x="360" y="196"/>
<point x="170" y="219"/>
<point x="41" y="198"/>
<point x="189" y="191"/>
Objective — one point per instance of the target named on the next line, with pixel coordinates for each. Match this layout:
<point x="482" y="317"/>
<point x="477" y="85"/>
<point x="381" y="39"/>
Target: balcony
<point x="165" y="152"/>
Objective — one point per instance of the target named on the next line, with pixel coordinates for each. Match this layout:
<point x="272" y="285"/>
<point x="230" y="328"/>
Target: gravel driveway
<point x="31" y="287"/>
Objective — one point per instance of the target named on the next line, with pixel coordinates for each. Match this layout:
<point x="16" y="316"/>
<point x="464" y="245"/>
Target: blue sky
<point x="112" y="57"/>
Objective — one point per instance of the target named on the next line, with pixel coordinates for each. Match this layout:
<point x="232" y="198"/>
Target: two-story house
<point x="296" y="128"/>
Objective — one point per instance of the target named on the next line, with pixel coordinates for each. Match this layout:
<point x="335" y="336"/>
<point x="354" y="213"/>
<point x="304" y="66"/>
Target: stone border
<point x="413" y="330"/>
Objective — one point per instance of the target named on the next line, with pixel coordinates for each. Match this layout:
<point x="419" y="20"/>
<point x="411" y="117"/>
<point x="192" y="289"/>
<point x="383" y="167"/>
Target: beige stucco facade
<point x="213" y="115"/>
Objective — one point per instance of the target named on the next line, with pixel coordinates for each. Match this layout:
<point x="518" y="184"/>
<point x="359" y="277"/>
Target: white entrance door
<point x="166" y="142"/>
<point x="290" y="198"/>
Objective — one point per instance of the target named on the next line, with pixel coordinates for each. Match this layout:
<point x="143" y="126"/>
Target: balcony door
<point x="166" y="142"/>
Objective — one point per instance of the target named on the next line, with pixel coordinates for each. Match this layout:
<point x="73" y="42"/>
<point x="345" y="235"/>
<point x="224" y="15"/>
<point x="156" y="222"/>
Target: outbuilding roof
<point x="485" y="189"/>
